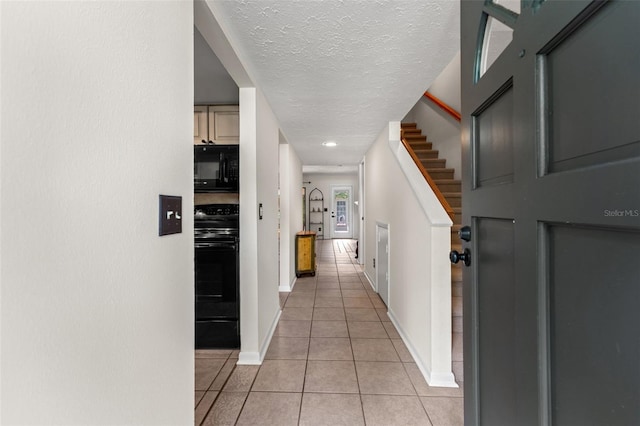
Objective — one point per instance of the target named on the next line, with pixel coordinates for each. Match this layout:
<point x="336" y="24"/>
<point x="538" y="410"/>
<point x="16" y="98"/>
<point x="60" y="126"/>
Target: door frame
<point x="361" y="213"/>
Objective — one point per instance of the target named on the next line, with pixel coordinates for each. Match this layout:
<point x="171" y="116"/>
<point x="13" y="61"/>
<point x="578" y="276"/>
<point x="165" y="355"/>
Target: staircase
<point x="451" y="190"/>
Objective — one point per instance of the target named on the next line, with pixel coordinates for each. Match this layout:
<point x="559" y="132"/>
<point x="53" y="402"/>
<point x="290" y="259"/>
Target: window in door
<point x="496" y="33"/>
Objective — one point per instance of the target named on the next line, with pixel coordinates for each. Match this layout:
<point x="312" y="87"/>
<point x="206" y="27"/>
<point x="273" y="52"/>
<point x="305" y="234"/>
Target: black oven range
<point x="217" y="309"/>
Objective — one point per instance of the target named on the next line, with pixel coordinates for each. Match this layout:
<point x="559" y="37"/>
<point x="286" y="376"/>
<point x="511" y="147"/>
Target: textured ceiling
<point x="340" y="70"/>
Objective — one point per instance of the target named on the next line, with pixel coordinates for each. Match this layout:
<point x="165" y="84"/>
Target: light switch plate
<point x="170" y="215"/>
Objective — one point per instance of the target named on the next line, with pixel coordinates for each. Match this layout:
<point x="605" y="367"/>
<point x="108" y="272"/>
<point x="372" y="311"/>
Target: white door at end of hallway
<point x="382" y="267"/>
<point x="341" y="212"/>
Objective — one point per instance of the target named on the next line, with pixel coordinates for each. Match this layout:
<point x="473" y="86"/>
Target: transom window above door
<point x="495" y="33"/>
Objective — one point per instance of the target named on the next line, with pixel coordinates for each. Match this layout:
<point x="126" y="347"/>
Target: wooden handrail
<point x="452" y="112"/>
<point x="427" y="177"/>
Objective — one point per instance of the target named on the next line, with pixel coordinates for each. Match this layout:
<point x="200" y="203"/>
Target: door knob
<point x="456" y="257"/>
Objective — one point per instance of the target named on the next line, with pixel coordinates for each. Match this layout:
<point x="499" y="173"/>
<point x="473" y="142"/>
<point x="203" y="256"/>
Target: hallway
<point x="335" y="359"/>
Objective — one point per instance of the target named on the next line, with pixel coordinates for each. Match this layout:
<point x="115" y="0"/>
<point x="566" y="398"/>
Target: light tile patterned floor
<point x="335" y="359"/>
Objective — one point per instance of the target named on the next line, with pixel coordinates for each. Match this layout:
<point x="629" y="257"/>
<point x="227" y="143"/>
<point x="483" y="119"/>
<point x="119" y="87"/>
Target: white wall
<point x="419" y="271"/>
<point x="267" y="176"/>
<point x="97" y="309"/>
<point x="324" y="181"/>
<point x="290" y="213"/>
<point x="442" y="129"/>
<point x="259" y="301"/>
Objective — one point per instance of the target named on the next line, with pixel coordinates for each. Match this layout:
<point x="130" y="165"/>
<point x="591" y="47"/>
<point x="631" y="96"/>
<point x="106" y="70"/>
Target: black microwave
<point x="216" y="168"/>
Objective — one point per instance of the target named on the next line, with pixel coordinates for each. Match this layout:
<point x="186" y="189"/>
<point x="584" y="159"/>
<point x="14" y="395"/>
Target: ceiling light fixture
<point x="329" y="143"/>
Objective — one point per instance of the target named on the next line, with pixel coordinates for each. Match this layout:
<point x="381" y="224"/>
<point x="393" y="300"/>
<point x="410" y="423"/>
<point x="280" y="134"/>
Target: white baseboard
<point x="256" y="358"/>
<point x="288" y="288"/>
<point x="249" y="358"/>
<point x="444" y="379"/>
<point x="373" y="287"/>
<point x="272" y="330"/>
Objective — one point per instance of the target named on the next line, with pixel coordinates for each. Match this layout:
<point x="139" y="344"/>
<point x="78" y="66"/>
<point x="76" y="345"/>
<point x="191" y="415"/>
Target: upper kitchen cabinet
<point x="200" y="125"/>
<point x="219" y="124"/>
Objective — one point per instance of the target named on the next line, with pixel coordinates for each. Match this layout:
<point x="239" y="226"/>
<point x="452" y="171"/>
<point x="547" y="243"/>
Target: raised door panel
<point x="592" y="325"/>
<point x="495" y="334"/>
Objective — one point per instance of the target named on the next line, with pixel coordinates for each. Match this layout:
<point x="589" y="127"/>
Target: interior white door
<point x="382" y="267"/>
<point x="341" y="212"/>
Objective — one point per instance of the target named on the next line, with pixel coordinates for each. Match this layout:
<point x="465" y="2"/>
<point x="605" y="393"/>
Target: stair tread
<point x="436" y="174"/>
<point x="441" y="169"/>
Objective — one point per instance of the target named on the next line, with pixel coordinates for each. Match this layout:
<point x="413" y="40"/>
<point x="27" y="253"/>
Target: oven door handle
<point x="232" y="246"/>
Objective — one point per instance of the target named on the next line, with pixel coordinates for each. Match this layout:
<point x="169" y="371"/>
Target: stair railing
<point x="446" y="108"/>
<point x="426" y="175"/>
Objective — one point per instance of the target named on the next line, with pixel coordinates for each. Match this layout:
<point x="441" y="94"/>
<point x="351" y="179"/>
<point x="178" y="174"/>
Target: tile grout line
<point x="355" y="369"/>
<point x="364" y="418"/>
<point x="219" y="392"/>
<point x="306" y="364"/>
<point x="248" y="394"/>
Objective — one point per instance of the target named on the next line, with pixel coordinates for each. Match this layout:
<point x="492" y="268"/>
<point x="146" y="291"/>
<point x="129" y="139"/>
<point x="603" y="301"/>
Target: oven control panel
<point x="216" y="210"/>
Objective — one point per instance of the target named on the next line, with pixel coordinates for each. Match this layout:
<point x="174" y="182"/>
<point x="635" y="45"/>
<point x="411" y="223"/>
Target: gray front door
<point x="551" y="191"/>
